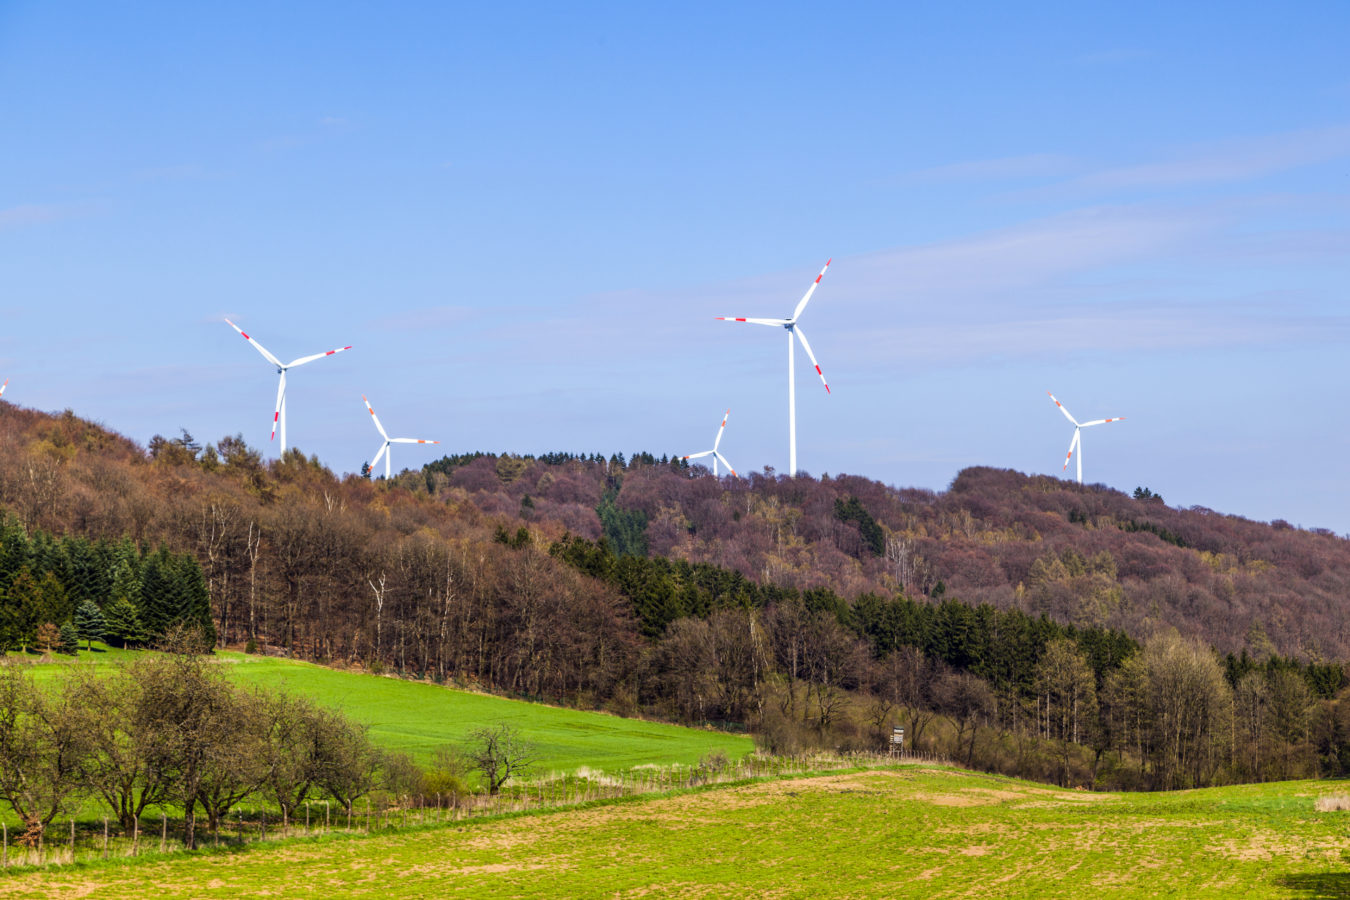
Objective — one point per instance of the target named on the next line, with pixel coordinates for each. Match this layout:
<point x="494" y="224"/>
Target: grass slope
<point x="419" y="717"/>
<point x="910" y="831"/>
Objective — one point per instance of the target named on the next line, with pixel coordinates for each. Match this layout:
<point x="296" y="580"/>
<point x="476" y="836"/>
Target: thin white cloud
<point x="432" y="317"/>
<point x="1034" y="165"/>
<point x="33" y="214"/>
<point x="1230" y="161"/>
<point x="1112" y="57"/>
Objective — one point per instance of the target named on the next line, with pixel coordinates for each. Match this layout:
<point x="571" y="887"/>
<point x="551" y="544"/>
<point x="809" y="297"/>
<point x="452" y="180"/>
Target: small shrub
<point x="251" y="646"/>
<point x="714" y="762"/>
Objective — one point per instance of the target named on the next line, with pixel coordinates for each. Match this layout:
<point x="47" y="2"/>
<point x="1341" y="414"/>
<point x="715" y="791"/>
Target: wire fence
<point x="88" y="840"/>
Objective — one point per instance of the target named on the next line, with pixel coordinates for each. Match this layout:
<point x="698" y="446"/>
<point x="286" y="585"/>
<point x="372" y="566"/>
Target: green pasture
<point x="418" y="717"/>
<point x="903" y="832"/>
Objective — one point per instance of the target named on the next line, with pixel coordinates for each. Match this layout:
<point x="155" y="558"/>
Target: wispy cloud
<point x="1230" y="161"/>
<point x="35" y="214"/>
<point x="1112" y="57"/>
<point x="1034" y="165"/>
<point x="431" y="317"/>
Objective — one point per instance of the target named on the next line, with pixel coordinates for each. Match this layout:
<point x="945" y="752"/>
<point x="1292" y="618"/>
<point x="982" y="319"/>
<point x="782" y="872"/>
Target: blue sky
<point x="525" y="217"/>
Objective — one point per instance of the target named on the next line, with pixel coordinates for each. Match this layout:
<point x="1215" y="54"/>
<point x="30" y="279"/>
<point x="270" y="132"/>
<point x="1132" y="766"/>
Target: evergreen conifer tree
<point x="122" y="624"/>
<point x="20" y="611"/>
<point x="69" y="639"/>
<point x="89" y="622"/>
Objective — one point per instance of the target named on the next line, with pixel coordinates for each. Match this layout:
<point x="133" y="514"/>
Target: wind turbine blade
<point x="721" y="429"/>
<point x="3" y="386"/>
<point x="304" y="359"/>
<point x="1103" y="421"/>
<point x="260" y="348"/>
<point x="1073" y="445"/>
<point x="807" y="348"/>
<point x="410" y="441"/>
<point x="378" y="456"/>
<point x="779" y="322"/>
<point x="281" y="397"/>
<point x="378" y="426"/>
<point x="700" y="455"/>
<point x="725" y="463"/>
<point x="1062" y="409"/>
<point x="801" y="304"/>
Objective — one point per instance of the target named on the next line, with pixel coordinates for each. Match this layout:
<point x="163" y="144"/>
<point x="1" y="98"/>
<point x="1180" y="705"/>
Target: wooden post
<point x="105" y="837"/>
<point x="72" y="840"/>
<point x="4" y="848"/>
<point x="326" y="816"/>
<point x="164" y="833"/>
<point x="306" y="817"/>
<point x="135" y="834"/>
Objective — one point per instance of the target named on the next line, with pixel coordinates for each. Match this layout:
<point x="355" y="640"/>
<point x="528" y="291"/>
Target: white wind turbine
<point x="384" y="448"/>
<point x="714" y="451"/>
<point x="792" y="328"/>
<point x="279" y="417"/>
<point x="1076" y="443"/>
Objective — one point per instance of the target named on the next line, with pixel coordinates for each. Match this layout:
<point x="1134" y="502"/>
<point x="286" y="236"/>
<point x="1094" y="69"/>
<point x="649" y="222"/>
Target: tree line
<point x="57" y="591"/>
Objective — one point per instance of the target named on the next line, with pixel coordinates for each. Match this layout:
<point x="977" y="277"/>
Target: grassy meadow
<point x="907" y="831"/>
<point x="418" y="717"/>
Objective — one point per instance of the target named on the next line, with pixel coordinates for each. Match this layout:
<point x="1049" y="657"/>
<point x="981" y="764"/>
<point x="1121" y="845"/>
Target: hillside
<point x="420" y="718"/>
<point x="1086" y="555"/>
<point x="1057" y="631"/>
<point x="909" y="831"/>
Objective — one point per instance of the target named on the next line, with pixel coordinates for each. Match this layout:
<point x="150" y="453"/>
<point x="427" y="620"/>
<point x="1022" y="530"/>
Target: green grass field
<point x="419" y="717"/>
<point x="904" y="832"/>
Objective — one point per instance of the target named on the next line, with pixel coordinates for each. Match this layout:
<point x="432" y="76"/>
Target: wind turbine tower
<point x="384" y="448"/>
<point x="791" y="326"/>
<point x="1076" y="443"/>
<point x="279" y="416"/>
<point x="716" y="455"/>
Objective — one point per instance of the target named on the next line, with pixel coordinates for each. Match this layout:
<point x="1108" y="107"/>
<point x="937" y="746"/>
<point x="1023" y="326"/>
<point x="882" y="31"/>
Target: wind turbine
<point x="1076" y="443"/>
<point x="384" y="448"/>
<point x="279" y="417"/>
<point x="792" y="328"/>
<point x="714" y="452"/>
<point x="3" y="386"/>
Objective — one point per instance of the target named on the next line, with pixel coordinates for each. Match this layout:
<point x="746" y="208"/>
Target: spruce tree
<point x="70" y="639"/>
<point x="89" y="623"/>
<point x="122" y="624"/>
<point x="21" y="611"/>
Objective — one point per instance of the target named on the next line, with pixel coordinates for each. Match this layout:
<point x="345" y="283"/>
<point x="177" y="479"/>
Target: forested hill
<point x="1083" y="555"/>
<point x="349" y="568"/>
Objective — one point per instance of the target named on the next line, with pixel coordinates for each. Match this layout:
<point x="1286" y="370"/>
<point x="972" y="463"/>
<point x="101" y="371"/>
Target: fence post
<point x="306" y="817"/>
<point x="72" y="840"/>
<point x="164" y="833"/>
<point x="135" y="833"/>
<point x="105" y="837"/>
<point x="4" y="848"/>
<point x="327" y="810"/>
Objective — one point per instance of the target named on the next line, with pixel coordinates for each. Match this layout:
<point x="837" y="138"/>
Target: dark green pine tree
<point x="122" y="625"/>
<point x="159" y="592"/>
<point x="15" y="552"/>
<point x="70" y="639"/>
<point x="89" y="623"/>
<point x="20" y="611"/>
<point x="194" y="599"/>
